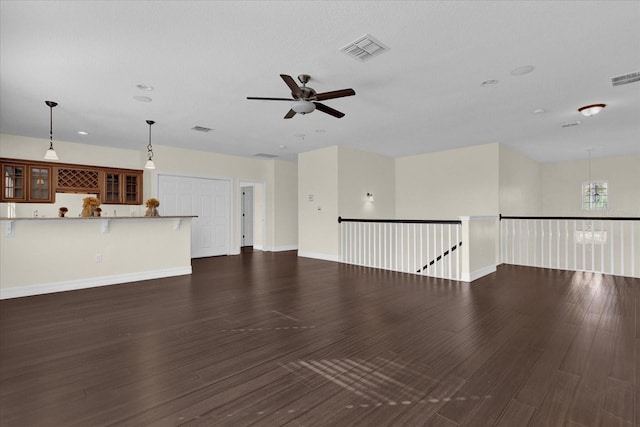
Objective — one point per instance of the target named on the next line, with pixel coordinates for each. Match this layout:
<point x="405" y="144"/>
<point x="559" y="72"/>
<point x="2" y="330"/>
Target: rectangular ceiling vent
<point x="365" y="48"/>
<point x="201" y="129"/>
<point x="626" y="79"/>
<point x="265" y="156"/>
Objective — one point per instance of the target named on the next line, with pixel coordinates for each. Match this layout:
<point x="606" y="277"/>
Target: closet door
<point x="209" y="200"/>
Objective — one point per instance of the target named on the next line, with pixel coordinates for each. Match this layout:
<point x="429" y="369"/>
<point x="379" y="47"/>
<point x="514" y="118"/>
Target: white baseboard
<point x="284" y="248"/>
<point x="92" y="282"/>
<point x="258" y="247"/>
<point x="317" y="255"/>
<point x="475" y="275"/>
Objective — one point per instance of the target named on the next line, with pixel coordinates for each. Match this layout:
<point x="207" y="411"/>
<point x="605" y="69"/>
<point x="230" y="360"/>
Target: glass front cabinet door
<point x="14" y="183"/>
<point x="40" y="184"/>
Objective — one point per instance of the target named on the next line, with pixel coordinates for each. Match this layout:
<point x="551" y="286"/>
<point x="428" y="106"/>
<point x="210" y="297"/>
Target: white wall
<point x="448" y="184"/>
<point x="562" y="184"/>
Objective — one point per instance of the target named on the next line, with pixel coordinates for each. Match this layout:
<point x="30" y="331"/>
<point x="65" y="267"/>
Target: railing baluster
<point x="612" y="247"/>
<point x="584" y="246"/>
<point x="622" y="249"/>
<point x="592" y="226"/>
<point x="450" y="249"/>
<point x="458" y="252"/>
<point x="633" y="251"/>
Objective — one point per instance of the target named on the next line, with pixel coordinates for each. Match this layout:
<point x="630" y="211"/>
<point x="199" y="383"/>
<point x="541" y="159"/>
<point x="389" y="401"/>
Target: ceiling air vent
<point x="201" y="129"/>
<point x="265" y="156"/>
<point x="626" y="79"/>
<point x="364" y="48"/>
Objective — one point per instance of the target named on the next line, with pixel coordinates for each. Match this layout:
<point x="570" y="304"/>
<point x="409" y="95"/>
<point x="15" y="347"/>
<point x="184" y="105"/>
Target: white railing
<point x="604" y="245"/>
<point x="429" y="248"/>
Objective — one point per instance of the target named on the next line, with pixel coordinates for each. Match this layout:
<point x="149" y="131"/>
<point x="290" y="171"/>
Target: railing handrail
<point x="400" y="221"/>
<point x="571" y="218"/>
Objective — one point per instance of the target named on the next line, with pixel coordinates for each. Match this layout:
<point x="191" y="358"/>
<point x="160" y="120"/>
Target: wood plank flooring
<point x="270" y="339"/>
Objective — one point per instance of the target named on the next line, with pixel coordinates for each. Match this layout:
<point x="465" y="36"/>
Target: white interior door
<point x="247" y="215"/>
<point x="209" y="200"/>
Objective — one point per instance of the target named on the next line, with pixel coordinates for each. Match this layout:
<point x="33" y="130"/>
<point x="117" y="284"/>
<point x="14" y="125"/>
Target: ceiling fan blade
<point x="335" y="94"/>
<point x="328" y="110"/>
<point x="290" y="114"/>
<point x="270" y="99"/>
<point x="295" y="89"/>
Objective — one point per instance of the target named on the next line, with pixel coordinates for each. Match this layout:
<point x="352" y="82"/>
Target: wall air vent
<point x="364" y="48"/>
<point x="265" y="156"/>
<point x="201" y="129"/>
<point x="626" y="79"/>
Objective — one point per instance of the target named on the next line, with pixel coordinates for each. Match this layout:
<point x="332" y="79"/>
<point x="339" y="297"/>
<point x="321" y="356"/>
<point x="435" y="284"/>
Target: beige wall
<point x="360" y="173"/>
<point x="562" y="183"/>
<point x="317" y="218"/>
<point x="519" y="184"/>
<point x="169" y="160"/>
<point x="65" y="251"/>
<point x="285" y="206"/>
<point x="339" y="178"/>
<point x="448" y="184"/>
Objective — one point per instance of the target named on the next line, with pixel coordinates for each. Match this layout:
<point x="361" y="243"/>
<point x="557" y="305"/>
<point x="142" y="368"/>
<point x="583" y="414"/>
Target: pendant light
<point x="150" y="164"/>
<point x="51" y="153"/>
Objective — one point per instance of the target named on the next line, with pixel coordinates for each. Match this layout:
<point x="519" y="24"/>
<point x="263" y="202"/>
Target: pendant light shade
<point x="51" y="153"/>
<point x="149" y="164"/>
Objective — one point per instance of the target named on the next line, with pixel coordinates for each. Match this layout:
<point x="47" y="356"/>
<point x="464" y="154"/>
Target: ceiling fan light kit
<point x="303" y="107"/>
<point x="305" y="99"/>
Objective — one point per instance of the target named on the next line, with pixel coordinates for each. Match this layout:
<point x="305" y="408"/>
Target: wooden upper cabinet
<point x="30" y="181"/>
<point x="26" y="183"/>
<point x="122" y="187"/>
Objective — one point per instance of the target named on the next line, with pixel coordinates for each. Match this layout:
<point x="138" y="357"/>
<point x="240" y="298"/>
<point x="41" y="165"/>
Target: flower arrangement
<point x="89" y="206"/>
<point x="152" y="207"/>
<point x="62" y="211"/>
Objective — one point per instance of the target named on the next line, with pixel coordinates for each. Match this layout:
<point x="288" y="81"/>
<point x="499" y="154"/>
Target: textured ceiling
<point x="425" y="94"/>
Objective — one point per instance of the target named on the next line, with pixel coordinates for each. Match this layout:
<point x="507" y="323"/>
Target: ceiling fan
<point x="305" y="99"/>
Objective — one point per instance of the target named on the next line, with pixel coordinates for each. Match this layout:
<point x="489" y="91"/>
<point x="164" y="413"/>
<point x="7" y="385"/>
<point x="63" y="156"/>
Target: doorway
<point x="252" y="211"/>
<point x="246" y="226"/>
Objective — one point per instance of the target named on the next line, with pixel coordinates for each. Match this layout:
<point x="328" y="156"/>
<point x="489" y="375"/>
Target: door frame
<point x="216" y="178"/>
<point x="252" y="183"/>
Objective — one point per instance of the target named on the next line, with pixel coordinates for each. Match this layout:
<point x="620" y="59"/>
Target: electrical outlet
<point x="98" y="258"/>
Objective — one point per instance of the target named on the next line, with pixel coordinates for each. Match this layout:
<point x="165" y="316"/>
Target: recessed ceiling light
<point x="142" y="98"/>
<point x="283" y="147"/>
<point x="81" y="132"/>
<point x="525" y="69"/>
<point x="144" y="87"/>
<point x="487" y="83"/>
<point x="539" y="111"/>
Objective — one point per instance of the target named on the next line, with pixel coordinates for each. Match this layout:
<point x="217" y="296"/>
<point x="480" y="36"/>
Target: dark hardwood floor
<point x="272" y="339"/>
